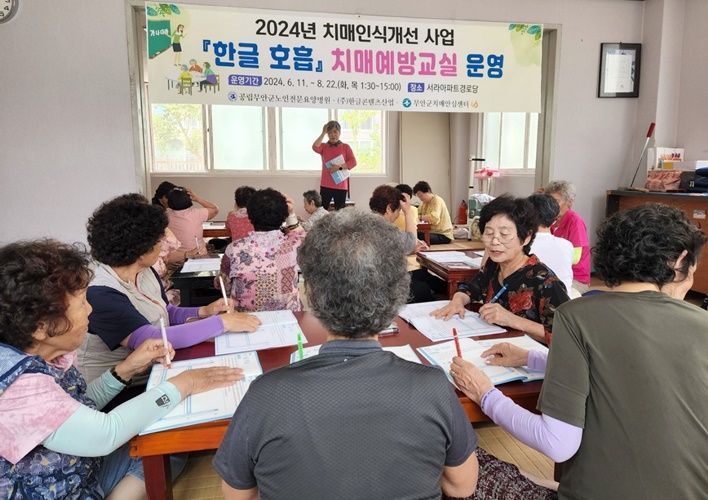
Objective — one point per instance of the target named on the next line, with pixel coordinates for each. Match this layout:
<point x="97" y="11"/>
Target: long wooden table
<point x="156" y="448"/>
<point x="452" y="274"/>
<point x="215" y="229"/>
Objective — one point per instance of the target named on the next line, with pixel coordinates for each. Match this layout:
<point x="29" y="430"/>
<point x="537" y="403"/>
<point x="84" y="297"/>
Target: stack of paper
<point x="471" y="325"/>
<point x="441" y="355"/>
<point x="277" y="329"/>
<point x="454" y="259"/>
<point x="200" y="265"/>
<point x="402" y="351"/>
<point x="206" y="406"/>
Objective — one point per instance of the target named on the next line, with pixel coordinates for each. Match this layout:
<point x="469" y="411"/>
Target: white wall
<point x="67" y="132"/>
<point x="692" y="131"/>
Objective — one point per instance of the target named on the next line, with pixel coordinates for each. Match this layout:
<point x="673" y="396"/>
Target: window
<point x="177" y="138"/>
<point x="509" y="140"/>
<point x="238" y="139"/>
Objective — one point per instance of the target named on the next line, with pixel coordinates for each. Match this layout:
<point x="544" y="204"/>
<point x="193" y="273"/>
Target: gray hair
<point x="354" y="266"/>
<point x="313" y="196"/>
<point x="564" y="188"/>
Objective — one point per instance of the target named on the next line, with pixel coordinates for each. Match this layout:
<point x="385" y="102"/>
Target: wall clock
<point x="8" y="8"/>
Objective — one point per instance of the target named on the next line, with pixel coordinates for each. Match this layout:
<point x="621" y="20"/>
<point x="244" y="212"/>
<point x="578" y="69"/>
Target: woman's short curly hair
<point x="643" y="245"/>
<point x="35" y="279"/>
<point x="354" y="266"/>
<point x="267" y="209"/>
<point x="242" y="195"/>
<point x="564" y="188"/>
<point x="125" y="228"/>
<point x="385" y="196"/>
<point x="519" y="210"/>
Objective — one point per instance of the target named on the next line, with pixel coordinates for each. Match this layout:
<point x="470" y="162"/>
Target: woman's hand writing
<point x="496" y="314"/>
<point x="216" y="307"/>
<point x="470" y="379"/>
<point x="148" y="353"/>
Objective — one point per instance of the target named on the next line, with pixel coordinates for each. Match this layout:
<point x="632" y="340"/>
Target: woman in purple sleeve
<point x="127" y="296"/>
<point x="624" y="397"/>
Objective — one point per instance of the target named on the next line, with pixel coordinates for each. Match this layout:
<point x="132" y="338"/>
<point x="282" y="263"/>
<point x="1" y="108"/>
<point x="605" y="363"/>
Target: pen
<point x="498" y="294"/>
<point x="300" y="352"/>
<point x="457" y="342"/>
<point x="164" y="341"/>
<point x="196" y="242"/>
<point x="223" y="291"/>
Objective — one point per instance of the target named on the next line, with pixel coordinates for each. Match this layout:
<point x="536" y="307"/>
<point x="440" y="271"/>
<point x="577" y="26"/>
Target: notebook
<point x="441" y="355"/>
<point x="207" y="406"/>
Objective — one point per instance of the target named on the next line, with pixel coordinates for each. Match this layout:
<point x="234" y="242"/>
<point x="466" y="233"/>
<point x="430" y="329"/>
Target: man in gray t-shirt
<point x="354" y="421"/>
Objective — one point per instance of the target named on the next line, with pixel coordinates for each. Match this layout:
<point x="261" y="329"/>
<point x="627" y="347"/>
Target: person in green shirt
<point x="177" y="44"/>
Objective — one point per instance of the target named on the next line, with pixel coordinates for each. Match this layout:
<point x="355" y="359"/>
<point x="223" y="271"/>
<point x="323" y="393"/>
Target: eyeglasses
<point x="502" y="237"/>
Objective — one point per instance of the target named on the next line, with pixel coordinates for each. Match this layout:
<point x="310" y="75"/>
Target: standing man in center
<point x="337" y="160"/>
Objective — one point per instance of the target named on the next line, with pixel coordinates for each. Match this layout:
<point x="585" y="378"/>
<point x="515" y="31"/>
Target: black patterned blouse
<point x="533" y="292"/>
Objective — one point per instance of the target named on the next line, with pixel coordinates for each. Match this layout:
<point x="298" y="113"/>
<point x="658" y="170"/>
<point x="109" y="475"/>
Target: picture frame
<point x="620" y="65"/>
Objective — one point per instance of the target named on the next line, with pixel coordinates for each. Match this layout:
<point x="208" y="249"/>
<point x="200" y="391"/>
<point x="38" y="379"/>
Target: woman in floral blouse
<point x="261" y="269"/>
<point x="519" y="291"/>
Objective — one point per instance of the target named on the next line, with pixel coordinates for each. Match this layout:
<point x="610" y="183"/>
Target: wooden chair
<point x="185" y="83"/>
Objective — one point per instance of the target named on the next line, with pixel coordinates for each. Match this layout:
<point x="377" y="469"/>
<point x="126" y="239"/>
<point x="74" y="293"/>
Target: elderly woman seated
<point x="382" y="427"/>
<point x="261" y="269"/>
<point x="54" y="440"/>
<point x="126" y="295"/>
<point x="626" y="378"/>
<point x="519" y="291"/>
<point x="390" y="203"/>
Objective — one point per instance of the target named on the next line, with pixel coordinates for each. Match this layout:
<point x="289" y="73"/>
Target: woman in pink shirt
<point x="186" y="220"/>
<point x="336" y="157"/>
<point x="571" y="227"/>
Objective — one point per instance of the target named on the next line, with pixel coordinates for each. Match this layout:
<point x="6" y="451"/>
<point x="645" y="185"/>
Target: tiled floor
<point x="200" y="482"/>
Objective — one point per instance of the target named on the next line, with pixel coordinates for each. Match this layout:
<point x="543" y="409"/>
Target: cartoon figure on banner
<point x="185" y="80"/>
<point x="211" y="79"/>
<point x="194" y="66"/>
<point x="177" y="43"/>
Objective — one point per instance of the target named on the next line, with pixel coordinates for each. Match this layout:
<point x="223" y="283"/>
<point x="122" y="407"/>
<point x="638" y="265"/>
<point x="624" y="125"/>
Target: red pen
<point x="457" y="342"/>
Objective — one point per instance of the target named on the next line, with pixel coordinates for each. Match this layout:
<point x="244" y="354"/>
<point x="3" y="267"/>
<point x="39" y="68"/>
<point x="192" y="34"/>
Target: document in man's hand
<point x="402" y="351"/>
<point x="471" y="325"/>
<point x="441" y="355"/>
<point x="206" y="406"/>
<point x="277" y="329"/>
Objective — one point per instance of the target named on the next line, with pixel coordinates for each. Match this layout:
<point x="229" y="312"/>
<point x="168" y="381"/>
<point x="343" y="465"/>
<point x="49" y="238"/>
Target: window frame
<point x="526" y="170"/>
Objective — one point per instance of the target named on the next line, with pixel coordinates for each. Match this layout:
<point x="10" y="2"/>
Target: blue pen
<point x="498" y="294"/>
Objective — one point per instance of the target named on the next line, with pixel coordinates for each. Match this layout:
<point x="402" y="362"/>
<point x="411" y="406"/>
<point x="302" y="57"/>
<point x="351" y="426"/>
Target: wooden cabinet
<point x="695" y="206"/>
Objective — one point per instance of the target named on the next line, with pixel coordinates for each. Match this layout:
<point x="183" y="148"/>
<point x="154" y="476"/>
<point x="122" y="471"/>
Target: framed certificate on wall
<point x="619" y="69"/>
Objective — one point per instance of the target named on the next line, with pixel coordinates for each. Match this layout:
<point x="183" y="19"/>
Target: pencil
<point x="223" y="291"/>
<point x="457" y="342"/>
<point x="300" y="352"/>
<point x="164" y="341"/>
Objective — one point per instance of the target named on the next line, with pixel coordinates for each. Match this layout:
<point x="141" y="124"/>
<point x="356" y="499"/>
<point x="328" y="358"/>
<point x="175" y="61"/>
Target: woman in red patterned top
<point x="337" y="159"/>
<point x="519" y="291"/>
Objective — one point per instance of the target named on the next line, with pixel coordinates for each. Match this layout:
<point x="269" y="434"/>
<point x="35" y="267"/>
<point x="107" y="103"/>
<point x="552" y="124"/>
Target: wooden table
<point x="424" y="227"/>
<point x="215" y="229"/>
<point x="452" y="274"/>
<point x="156" y="448"/>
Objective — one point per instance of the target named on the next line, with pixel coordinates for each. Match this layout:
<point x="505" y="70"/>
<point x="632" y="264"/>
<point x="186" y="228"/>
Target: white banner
<point x="224" y="55"/>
